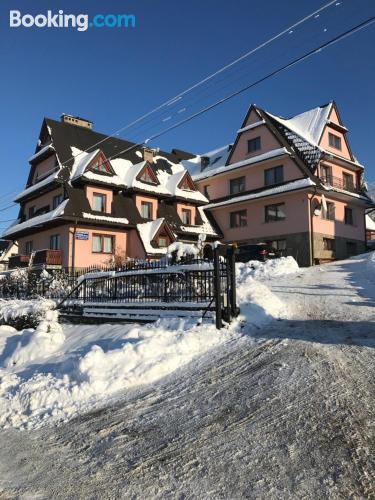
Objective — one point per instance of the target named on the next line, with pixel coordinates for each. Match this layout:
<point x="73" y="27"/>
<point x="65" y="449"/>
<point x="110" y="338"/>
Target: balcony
<point x="18" y="261"/>
<point x="339" y="183"/>
<point x="47" y="257"/>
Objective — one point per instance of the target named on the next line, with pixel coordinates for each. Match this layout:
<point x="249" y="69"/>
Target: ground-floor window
<point x="278" y="244"/>
<point x="329" y="244"/>
<point x="28" y="247"/>
<point x="351" y="248"/>
<point x="54" y="242"/>
<point x="102" y="243"/>
<point x="238" y="219"/>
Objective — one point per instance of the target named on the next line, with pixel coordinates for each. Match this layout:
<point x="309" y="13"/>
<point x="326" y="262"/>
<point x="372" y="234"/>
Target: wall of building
<point x="90" y="190"/>
<point x="185" y="206"/>
<point x="42" y="201"/>
<point x="84" y="256"/>
<point x="219" y="186"/>
<point x="44" y="168"/>
<point x="41" y="241"/>
<point x="139" y="199"/>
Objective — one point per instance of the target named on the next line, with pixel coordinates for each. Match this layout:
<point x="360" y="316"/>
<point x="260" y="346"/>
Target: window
<point x="102" y="244"/>
<point x="329" y="244"/>
<point x="329" y="214"/>
<point x="274" y="175"/>
<point x="238" y="219"/>
<point x="57" y="200"/>
<point x="186" y="184"/>
<point x="163" y="241"/>
<point x="349" y="216"/>
<point x="31" y="212"/>
<point x="205" y="191"/>
<point x="101" y="165"/>
<point x="334" y="141"/>
<point x="28" y="247"/>
<point x="278" y="244"/>
<point x="186" y="216"/>
<point x="275" y="212"/>
<point x="253" y="145"/>
<point x="99" y="202"/>
<point x="326" y="173"/>
<point x="54" y="242"/>
<point x="147" y="177"/>
<point x="348" y="182"/>
<point x="146" y="210"/>
<point x="237" y="185"/>
<point x="351" y="248"/>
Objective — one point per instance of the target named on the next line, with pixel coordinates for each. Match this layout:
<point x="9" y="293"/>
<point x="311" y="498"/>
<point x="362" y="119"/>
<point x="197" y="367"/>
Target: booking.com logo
<point x="82" y="22"/>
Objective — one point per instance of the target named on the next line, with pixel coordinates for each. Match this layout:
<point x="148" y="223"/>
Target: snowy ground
<point x="280" y="408"/>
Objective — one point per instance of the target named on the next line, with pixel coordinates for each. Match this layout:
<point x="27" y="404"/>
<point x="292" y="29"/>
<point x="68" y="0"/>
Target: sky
<point x="113" y="76"/>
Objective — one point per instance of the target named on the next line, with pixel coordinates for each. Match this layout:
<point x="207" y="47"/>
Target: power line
<point x="176" y="98"/>
<point x="296" y="61"/>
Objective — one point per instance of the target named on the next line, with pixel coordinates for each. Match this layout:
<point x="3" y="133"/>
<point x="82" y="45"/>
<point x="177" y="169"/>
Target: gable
<point x="187" y="183"/>
<point x="147" y="175"/>
<point x="332" y="130"/>
<point x="100" y="165"/>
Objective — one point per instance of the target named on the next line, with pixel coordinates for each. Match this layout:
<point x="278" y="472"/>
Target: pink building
<point x="293" y="183"/>
<point x="91" y="199"/>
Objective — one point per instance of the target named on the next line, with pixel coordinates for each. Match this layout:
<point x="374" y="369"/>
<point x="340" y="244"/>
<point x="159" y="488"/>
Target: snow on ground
<point x="57" y="372"/>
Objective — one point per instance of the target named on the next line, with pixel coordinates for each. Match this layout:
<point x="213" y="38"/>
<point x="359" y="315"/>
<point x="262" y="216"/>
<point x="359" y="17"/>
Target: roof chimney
<point x="76" y="120"/>
<point x="148" y="154"/>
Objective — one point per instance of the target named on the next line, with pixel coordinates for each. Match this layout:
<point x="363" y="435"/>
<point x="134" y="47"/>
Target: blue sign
<point x="82" y="235"/>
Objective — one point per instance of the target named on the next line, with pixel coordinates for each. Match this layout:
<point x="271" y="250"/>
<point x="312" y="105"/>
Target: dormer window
<point x="147" y="175"/>
<point x="186" y="216"/>
<point x="334" y="141"/>
<point x="99" y="202"/>
<point x="101" y="166"/>
<point x="187" y="184"/>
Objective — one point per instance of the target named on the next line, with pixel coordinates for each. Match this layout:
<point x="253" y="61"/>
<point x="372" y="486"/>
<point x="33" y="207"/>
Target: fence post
<point x="232" y="269"/>
<point x="217" y="289"/>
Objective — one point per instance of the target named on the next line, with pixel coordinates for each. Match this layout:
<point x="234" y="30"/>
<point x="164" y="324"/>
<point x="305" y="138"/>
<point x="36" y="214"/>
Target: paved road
<point x="285" y="413"/>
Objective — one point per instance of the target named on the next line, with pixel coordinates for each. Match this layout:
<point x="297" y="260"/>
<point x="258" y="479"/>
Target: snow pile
<point x="180" y="250"/>
<point x="59" y="372"/>
<point x="11" y="310"/>
<point x="266" y="270"/>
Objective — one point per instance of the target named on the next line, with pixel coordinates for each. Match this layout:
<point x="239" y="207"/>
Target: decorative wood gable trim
<point x="251" y="108"/>
<point x="187" y="183"/>
<point x="340" y="128"/>
<point x="100" y="165"/>
<point x="148" y="169"/>
<point x="163" y="229"/>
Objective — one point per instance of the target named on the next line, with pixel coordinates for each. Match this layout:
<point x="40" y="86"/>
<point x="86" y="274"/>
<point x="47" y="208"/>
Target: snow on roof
<point x="147" y="232"/>
<point x="216" y="158"/>
<point x="309" y="124"/>
<point x="204" y="228"/>
<point x="370" y="223"/>
<point x="35" y="221"/>
<point x="81" y="160"/>
<point x="291" y="186"/>
<point x="249" y="161"/>
<point x="46" y="148"/>
<point x="251" y="126"/>
<point x="120" y="220"/>
<point x="127" y="172"/>
<point x="44" y="182"/>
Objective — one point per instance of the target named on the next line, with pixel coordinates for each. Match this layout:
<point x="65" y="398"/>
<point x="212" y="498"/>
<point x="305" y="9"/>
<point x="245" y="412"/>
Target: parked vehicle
<point x="261" y="252"/>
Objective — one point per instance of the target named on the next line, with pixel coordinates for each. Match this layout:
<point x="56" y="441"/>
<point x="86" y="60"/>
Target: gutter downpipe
<point x="312" y="228"/>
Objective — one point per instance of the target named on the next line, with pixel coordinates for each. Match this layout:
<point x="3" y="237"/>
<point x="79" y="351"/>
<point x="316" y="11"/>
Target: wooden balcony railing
<point x="18" y="261"/>
<point x="48" y="257"/>
<point x="340" y="183"/>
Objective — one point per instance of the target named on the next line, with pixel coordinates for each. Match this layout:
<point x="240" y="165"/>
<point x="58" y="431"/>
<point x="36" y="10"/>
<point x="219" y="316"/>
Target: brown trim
<point x="104" y="162"/>
<point x="152" y="174"/>
<point x="101" y="235"/>
<point x="187" y="177"/>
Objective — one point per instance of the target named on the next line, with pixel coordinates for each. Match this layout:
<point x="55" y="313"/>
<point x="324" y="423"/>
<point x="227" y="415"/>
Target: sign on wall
<point x="82" y="235"/>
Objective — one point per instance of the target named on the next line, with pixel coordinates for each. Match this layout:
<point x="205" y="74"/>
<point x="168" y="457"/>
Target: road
<point x="285" y="411"/>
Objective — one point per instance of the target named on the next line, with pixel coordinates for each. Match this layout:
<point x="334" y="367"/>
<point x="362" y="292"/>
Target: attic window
<point x="101" y="165"/>
<point x="147" y="175"/>
<point x="334" y="141"/>
<point x="187" y="184"/>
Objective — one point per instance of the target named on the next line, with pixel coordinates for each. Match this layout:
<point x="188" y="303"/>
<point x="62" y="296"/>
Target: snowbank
<point x="24" y="311"/>
<point x="55" y="373"/>
<point x="266" y="270"/>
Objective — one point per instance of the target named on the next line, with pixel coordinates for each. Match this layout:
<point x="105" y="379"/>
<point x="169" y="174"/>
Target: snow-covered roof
<point x="204" y="228"/>
<point x="309" y="124"/>
<point x="215" y="158"/>
<point x="35" y="221"/>
<point x="47" y="147"/>
<point x="147" y="232"/>
<point x="35" y="187"/>
<point x="108" y="218"/>
<point x="290" y="186"/>
<point x="274" y="153"/>
<point x="251" y="126"/>
<point x="126" y="174"/>
<point x="370" y="223"/>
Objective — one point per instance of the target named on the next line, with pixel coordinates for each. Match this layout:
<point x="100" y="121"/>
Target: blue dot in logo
<point x="91" y="25"/>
